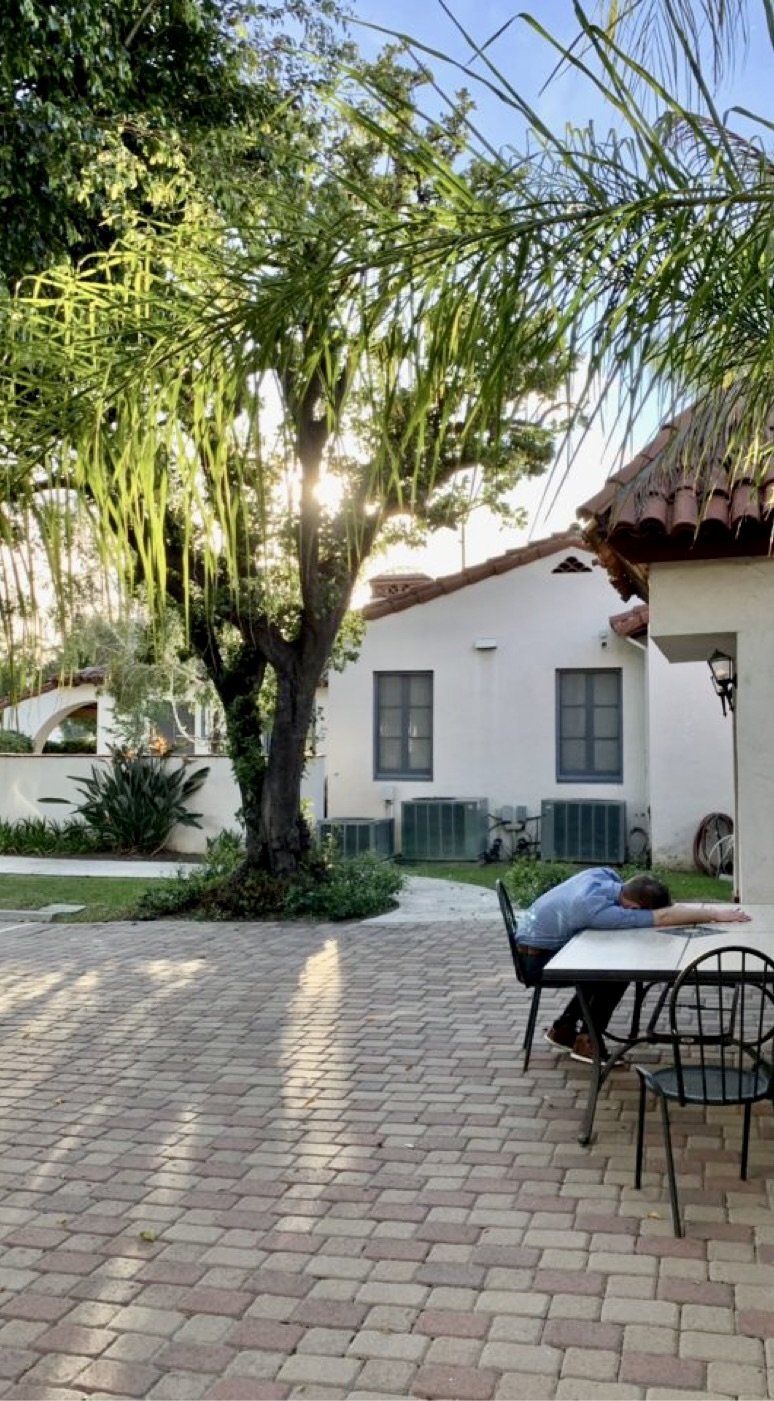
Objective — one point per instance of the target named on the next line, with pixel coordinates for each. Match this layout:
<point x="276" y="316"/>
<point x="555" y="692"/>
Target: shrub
<point x="37" y="836"/>
<point x="527" y="879"/>
<point x="86" y="745"/>
<point x="14" y="742"/>
<point x="329" y="889"/>
<point x="355" y="888"/>
<point x="133" y="804"/>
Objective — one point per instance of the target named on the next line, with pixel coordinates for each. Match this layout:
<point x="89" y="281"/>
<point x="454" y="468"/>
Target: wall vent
<point x="354" y="835"/>
<point x="589" y="830"/>
<point x="444" y="829"/>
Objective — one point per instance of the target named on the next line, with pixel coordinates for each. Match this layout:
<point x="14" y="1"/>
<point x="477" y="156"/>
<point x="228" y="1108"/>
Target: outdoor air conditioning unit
<point x="354" y="835"/>
<point x="444" y="829"/>
<point x="590" y="830"/>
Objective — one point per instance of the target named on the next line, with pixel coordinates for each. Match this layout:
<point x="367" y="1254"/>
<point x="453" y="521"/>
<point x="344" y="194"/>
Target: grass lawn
<point x="684" y="885"/>
<point x="103" y="897"/>
<point x="113" y="897"/>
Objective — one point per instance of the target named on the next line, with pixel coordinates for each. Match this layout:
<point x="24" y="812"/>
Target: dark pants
<point x="603" y="998"/>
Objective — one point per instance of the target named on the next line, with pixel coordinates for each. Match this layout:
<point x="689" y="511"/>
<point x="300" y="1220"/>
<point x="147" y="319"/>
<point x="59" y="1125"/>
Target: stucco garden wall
<point x="26" y="779"/>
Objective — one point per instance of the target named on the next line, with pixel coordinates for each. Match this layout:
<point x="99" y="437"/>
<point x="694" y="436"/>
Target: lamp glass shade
<point x="722" y="668"/>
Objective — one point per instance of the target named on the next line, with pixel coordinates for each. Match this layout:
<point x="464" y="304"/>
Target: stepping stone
<point x="42" y="916"/>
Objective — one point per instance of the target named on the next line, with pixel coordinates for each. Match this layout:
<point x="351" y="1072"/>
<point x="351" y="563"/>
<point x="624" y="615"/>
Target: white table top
<point x="597" y="954"/>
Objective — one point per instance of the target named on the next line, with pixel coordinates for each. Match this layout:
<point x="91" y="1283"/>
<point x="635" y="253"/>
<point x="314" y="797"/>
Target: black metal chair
<point x="721" y="1028"/>
<point x="511" y="929"/>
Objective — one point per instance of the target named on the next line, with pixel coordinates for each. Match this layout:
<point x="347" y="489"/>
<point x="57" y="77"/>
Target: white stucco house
<point x="687" y="527"/>
<point x="518" y="686"/>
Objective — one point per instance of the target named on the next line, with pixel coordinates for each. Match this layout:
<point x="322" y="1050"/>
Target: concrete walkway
<point x="244" y="1161"/>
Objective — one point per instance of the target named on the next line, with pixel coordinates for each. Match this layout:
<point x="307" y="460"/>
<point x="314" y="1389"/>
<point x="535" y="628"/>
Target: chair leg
<point x="640" y="1136"/>
<point x="670" y="1167"/>
<point x="531" y="1020"/>
<point x="746" y="1139"/>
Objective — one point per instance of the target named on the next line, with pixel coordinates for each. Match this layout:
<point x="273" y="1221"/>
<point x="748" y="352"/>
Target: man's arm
<point x="674" y="915"/>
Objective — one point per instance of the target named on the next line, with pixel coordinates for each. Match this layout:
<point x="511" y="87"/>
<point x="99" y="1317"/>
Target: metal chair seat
<point x="721" y="1027"/>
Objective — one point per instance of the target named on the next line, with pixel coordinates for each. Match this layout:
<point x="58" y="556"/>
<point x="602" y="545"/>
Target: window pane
<point x="390" y="690"/>
<point x="420" y="689"/>
<point x="605" y="687"/>
<point x="573" y="687"/>
<point x="574" y="722"/>
<point x="419" y="754"/>
<point x="389" y="724"/>
<point x="573" y="756"/>
<point x="606" y="758"/>
<point x="419" y="726"/>
<point x="389" y="754"/>
<point x="606" y="723"/>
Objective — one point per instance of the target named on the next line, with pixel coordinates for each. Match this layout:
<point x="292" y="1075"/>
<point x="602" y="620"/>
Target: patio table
<point x="650" y="959"/>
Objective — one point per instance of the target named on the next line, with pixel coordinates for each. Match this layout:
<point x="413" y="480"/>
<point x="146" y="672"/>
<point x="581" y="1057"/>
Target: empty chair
<point x="518" y="963"/>
<point x="721" y="1028"/>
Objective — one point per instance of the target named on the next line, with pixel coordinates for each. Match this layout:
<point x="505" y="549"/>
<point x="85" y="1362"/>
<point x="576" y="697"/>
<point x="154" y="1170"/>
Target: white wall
<point x="26" y="779"/>
<point x="494" y="711"/>
<point x="691" y="756"/>
<point x="38" y="716"/>
<point x="730" y="603"/>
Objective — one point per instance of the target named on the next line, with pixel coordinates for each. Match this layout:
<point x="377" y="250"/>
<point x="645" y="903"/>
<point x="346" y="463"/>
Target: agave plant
<point x="133" y="804"/>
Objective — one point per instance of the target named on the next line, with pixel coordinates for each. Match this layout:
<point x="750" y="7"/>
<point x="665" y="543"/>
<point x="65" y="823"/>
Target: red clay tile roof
<point x="632" y="623"/>
<point x="87" y="676"/>
<point x="501" y="564"/>
<point x="697" y="491"/>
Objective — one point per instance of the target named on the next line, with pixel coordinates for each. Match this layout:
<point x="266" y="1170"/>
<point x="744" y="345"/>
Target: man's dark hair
<point x="647" y="892"/>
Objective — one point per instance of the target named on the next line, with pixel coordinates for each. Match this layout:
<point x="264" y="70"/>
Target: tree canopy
<point x="117" y="112"/>
<point x="651" y="240"/>
<point x="242" y="409"/>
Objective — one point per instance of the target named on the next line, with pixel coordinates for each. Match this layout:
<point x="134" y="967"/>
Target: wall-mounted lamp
<point x="485" y="644"/>
<point x="723" y="678"/>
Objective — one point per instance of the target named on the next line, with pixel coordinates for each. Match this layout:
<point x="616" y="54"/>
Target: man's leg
<point x="602" y="999"/>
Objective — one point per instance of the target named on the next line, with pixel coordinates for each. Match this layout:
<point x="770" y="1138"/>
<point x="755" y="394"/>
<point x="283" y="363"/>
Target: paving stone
<point x="405" y="1214"/>
<point x="438" y="1383"/>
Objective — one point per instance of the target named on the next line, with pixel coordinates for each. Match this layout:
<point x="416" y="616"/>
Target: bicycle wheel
<point x="713" y="845"/>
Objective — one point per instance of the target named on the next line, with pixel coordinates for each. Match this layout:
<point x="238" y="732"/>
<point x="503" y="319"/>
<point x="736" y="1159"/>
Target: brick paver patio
<point x="256" y="1162"/>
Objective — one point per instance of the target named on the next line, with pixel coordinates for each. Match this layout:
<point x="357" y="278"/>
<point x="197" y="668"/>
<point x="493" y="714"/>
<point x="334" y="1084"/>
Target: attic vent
<point x="572" y="565"/>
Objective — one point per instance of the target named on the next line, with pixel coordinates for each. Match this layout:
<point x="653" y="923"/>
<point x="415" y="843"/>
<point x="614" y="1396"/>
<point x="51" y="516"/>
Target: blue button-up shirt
<point x="589" y="900"/>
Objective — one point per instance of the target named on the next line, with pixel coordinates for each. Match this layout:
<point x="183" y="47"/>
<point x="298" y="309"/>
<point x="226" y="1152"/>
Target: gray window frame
<point x="404" y="771"/>
<point x="588" y="774"/>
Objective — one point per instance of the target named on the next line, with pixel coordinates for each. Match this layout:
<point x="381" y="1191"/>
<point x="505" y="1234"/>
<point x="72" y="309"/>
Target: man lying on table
<point x="600" y="899"/>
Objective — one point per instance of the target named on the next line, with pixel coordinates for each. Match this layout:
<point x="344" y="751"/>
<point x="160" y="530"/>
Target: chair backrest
<point x="511" y="927"/>
<point x="721" y="1014"/>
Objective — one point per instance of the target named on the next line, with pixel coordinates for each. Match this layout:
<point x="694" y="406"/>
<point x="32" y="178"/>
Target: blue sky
<point x="527" y="61"/>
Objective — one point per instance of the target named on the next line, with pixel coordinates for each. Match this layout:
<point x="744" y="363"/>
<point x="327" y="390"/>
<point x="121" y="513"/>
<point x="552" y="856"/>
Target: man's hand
<point x="732" y="915"/>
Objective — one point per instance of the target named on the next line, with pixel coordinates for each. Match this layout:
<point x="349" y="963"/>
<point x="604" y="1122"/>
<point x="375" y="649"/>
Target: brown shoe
<point x="562" y="1038"/>
<point x="583" y="1050"/>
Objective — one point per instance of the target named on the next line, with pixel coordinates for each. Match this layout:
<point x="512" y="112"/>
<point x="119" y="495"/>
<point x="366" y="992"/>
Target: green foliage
<point x="14" y="742"/>
<point x="133" y="804"/>
<point x="115" y="112"/>
<point x="355" y="888"/>
<point x="38" y="836"/>
<point x="328" y="888"/>
<point x="86" y="745"/>
<point x="525" y="879"/>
